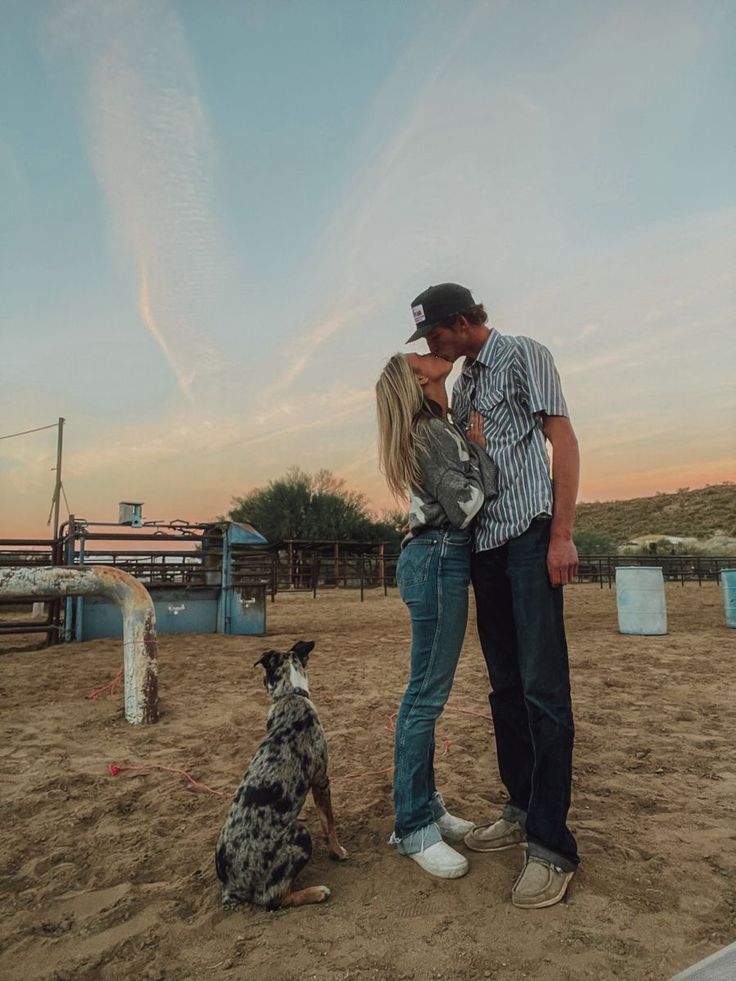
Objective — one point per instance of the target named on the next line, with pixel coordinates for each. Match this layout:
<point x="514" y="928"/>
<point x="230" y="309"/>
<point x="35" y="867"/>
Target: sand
<point x="112" y="876"/>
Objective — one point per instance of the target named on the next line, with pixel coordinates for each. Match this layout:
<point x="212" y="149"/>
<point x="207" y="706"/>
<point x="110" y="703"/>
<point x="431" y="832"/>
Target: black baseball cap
<point x="436" y="304"/>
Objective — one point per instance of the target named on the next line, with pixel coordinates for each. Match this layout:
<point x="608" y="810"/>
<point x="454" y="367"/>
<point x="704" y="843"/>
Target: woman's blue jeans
<point x="433" y="574"/>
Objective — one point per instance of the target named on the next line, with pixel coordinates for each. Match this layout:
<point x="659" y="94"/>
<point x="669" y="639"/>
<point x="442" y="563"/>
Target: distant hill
<point x="700" y="513"/>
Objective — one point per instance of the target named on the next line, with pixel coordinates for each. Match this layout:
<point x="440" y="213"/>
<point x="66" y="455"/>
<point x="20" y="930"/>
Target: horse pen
<point x="107" y="845"/>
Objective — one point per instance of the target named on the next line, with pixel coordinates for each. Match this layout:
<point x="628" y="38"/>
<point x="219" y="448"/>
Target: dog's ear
<point x="267" y="659"/>
<point x="302" y="649"/>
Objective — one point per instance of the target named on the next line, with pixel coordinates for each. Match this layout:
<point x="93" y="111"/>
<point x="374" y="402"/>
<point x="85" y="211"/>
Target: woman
<point x="447" y="479"/>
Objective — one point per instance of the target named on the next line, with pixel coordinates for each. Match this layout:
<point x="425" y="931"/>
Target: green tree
<point x="313" y="507"/>
<point x="593" y="543"/>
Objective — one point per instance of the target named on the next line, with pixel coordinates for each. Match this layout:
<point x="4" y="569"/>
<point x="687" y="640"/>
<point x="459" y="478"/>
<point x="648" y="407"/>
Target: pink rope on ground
<point x="96" y="692"/>
<point x="446" y="743"/>
<point x="478" y="715"/>
<point x="115" y="768"/>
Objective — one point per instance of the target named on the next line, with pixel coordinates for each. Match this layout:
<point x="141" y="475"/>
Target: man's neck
<point x="476" y="340"/>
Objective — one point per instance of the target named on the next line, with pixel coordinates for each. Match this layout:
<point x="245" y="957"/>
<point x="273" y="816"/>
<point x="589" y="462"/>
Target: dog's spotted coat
<point x="262" y="847"/>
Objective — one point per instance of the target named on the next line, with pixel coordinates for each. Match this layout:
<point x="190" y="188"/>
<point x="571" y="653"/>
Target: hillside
<point x="687" y="513"/>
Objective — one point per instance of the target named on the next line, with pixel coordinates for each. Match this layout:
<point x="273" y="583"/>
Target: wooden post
<point x="361" y="577"/>
<point x="382" y="567"/>
<point x="336" y="553"/>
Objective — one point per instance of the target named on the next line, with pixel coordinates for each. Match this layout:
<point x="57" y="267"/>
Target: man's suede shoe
<point x="540" y="884"/>
<point x="453" y="828"/>
<point x="441" y="860"/>
<point x="496" y="837"/>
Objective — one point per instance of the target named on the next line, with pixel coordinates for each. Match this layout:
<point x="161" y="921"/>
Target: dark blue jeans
<point x="433" y="575"/>
<point x="522" y="633"/>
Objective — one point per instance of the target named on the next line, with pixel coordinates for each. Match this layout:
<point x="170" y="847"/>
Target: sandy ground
<point x="112" y="877"/>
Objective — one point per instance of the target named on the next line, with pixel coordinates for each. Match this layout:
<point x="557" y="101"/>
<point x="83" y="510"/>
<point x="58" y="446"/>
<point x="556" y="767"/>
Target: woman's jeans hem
<point x="417" y="841"/>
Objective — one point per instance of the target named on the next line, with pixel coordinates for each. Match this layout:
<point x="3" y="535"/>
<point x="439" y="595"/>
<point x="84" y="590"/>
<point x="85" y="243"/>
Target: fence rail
<point x="598" y="569"/>
<point x="292" y="566"/>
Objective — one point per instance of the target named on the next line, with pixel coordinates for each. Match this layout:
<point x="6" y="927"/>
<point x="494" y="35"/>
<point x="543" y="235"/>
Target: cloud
<point x="507" y="171"/>
<point x="153" y="156"/>
<point x="310" y="341"/>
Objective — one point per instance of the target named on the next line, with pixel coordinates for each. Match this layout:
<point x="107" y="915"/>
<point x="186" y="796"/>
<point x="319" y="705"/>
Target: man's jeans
<point x="433" y="574"/>
<point x="522" y="632"/>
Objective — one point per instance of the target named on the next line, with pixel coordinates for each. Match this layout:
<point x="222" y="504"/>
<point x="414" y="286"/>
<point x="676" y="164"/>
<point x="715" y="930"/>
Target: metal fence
<point x="598" y="569"/>
<point x="290" y="566"/>
<point x="601" y="569"/>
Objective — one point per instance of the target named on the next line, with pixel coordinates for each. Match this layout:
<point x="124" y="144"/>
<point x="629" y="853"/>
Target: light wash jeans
<point x="433" y="574"/>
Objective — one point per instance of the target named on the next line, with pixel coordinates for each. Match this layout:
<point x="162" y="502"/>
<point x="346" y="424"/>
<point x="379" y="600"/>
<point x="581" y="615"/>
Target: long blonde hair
<point x="402" y="414"/>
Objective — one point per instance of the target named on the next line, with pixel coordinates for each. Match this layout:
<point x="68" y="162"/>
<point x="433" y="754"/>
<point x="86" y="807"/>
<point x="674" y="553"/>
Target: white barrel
<point x="728" y="583"/>
<point x="640" y="600"/>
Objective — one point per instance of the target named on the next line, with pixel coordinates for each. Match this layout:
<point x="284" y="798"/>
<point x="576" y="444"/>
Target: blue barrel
<point x="728" y="584"/>
<point x="640" y="600"/>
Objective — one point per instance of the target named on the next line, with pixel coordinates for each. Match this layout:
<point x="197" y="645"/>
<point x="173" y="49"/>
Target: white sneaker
<point x="441" y="860"/>
<point x="453" y="828"/>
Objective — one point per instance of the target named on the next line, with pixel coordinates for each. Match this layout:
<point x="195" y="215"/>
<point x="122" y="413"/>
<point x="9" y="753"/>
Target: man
<point x="523" y="554"/>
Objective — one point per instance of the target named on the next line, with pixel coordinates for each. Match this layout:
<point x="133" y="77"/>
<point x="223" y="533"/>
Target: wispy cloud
<point x="301" y="350"/>
<point x="152" y="152"/>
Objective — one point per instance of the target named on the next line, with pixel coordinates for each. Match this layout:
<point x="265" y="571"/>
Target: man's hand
<point x="562" y="561"/>
<point x="474" y="432"/>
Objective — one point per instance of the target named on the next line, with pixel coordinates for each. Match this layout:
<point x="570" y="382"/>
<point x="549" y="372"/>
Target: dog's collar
<point x="294" y="691"/>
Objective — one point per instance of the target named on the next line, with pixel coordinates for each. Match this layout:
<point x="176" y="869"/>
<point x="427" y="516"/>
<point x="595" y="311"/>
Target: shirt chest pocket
<point x="489" y="402"/>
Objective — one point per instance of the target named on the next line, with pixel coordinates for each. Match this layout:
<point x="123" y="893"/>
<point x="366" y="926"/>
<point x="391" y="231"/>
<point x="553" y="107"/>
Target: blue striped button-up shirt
<point x="511" y="382"/>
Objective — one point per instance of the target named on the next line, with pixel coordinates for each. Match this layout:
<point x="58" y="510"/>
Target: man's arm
<point x="562" y="556"/>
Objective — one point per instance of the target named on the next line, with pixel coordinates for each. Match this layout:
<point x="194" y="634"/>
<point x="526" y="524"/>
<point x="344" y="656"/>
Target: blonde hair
<point x="402" y="414"/>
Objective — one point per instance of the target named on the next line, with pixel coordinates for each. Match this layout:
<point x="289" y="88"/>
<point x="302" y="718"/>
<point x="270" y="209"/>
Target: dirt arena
<point x="112" y="877"/>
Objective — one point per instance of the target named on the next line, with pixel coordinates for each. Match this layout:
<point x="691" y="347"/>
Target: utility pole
<point x="57" y="489"/>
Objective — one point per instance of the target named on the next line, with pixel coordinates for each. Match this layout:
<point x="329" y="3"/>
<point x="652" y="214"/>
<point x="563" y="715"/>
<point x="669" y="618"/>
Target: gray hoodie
<point x="456" y="478"/>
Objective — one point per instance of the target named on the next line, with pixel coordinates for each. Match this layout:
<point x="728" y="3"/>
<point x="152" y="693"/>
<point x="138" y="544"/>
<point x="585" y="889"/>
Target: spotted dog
<point x="262" y="847"/>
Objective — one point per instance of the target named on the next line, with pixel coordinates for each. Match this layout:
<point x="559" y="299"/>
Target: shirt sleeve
<point x="454" y="475"/>
<point x="539" y="379"/>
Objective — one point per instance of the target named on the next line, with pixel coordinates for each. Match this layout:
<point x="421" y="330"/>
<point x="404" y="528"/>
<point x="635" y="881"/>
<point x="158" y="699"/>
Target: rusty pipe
<point x="140" y="667"/>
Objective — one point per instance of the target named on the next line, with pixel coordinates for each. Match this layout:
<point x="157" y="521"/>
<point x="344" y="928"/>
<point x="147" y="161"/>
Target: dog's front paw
<point x="322" y="893"/>
<point x="339" y="853"/>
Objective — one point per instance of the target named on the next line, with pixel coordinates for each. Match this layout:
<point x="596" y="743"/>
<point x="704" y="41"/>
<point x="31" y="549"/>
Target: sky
<point x="215" y="217"/>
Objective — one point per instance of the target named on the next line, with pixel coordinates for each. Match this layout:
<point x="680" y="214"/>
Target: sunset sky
<point x="215" y="216"/>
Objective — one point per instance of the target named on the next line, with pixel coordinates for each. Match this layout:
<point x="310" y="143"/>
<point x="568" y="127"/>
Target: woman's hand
<point x="474" y="432"/>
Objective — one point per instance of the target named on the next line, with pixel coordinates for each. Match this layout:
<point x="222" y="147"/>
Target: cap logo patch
<point x="418" y="312"/>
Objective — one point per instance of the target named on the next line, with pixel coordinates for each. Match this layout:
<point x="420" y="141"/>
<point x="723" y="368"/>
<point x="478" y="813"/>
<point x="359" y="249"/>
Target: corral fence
<point x="192" y="556"/>
<point x="599" y="569"/>
<point x="191" y="559"/>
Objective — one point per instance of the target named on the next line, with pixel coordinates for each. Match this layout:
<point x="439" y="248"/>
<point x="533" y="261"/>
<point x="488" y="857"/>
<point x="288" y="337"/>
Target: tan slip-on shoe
<point x="540" y="884"/>
<point x="496" y="837"/>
